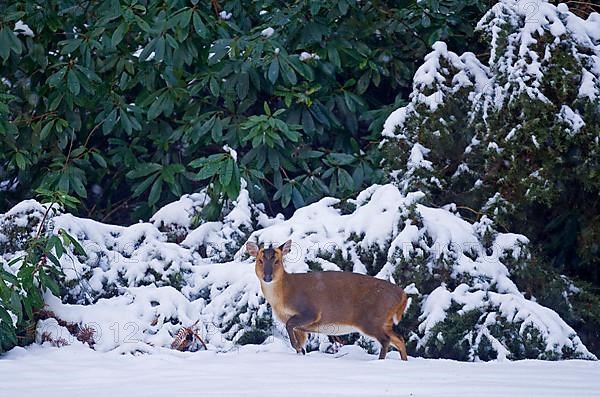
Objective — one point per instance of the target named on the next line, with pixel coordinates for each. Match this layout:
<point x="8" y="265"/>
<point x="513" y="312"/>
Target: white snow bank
<point x="24" y="372"/>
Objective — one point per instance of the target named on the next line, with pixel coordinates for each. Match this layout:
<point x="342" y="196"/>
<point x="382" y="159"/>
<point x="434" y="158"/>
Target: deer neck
<point x="274" y="290"/>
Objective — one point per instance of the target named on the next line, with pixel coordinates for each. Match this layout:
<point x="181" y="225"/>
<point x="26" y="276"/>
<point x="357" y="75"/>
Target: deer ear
<point x="252" y="248"/>
<point x="285" y="247"/>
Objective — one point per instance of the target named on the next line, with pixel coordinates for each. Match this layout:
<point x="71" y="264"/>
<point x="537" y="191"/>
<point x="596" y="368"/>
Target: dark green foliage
<point x="485" y="350"/>
<point x="520" y="162"/>
<point x="257" y="333"/>
<point x="21" y="293"/>
<point x="372" y="257"/>
<point x="578" y="303"/>
<point x="528" y="344"/>
<point x="415" y="270"/>
<point x="253" y="337"/>
<point x="79" y="112"/>
<point x="450" y="337"/>
<point x="337" y="257"/>
<point x="548" y="189"/>
<point x="314" y="266"/>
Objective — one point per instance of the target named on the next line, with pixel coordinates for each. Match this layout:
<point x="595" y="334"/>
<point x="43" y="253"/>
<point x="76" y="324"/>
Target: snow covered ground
<point x="273" y="370"/>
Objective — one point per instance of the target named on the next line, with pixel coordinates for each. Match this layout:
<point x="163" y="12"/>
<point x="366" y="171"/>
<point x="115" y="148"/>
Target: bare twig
<point x="123" y="203"/>
<point x="216" y="6"/>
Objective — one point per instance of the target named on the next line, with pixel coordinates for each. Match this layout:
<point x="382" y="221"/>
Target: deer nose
<point x="268" y="278"/>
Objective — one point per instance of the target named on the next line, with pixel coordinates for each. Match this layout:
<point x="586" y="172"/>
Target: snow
<point x="571" y="118"/>
<point x="520" y="60"/>
<point x="231" y="152"/>
<point x="395" y="119"/>
<point x="434" y="309"/>
<point x="307" y="56"/>
<point x="224" y="15"/>
<point x="417" y="159"/>
<point x="138" y="52"/>
<point x="432" y="73"/>
<point x="23" y="29"/>
<point x="589" y="82"/>
<point x="434" y="81"/>
<point x="180" y="212"/>
<point x="274" y="370"/>
<point x="268" y="32"/>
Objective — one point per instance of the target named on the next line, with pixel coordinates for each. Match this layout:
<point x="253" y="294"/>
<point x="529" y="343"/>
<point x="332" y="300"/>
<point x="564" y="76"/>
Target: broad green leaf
<point x="15" y="43"/>
<point x="78" y="248"/>
<point x="73" y="82"/>
<point x="6" y="319"/>
<point x="54" y="242"/>
<point x="157" y="107"/>
<point x="99" y="159"/>
<point x="56" y="78"/>
<point x="334" y="56"/>
<point x="78" y="186"/>
<point x="226" y="172"/>
<point x="208" y="171"/>
<point x="286" y="195"/>
<point x="119" y="33"/>
<point x="20" y="160"/>
<point x="363" y="82"/>
<point x="148" y="49"/>
<point x="144" y="170"/>
<point x="70" y="45"/>
<point x="48" y="282"/>
<point x="345" y="179"/>
<point x="288" y="72"/>
<point x="144" y="185"/>
<point x="5" y="43"/>
<point x="199" y="26"/>
<point x="341" y="158"/>
<point x="53" y="259"/>
<point x="6" y="276"/>
<point x="46" y="130"/>
<point x="243" y="85"/>
<point x="310" y="154"/>
<point x="297" y="198"/>
<point x="273" y="71"/>
<point x="155" y="192"/>
<point x="159" y="52"/>
<point x="217" y="131"/>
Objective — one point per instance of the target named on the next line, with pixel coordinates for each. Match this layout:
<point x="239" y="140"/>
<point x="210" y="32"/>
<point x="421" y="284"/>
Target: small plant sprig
<point x="38" y="270"/>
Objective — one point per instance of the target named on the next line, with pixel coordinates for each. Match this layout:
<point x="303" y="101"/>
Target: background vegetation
<point x="128" y="104"/>
<point x="515" y="138"/>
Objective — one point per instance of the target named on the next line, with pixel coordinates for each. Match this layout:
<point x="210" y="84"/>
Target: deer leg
<point x="301" y="337"/>
<point x="398" y="342"/>
<point x="385" y="344"/>
<point x="297" y="322"/>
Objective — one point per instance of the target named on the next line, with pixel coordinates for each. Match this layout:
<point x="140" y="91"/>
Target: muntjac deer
<point x="333" y="303"/>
